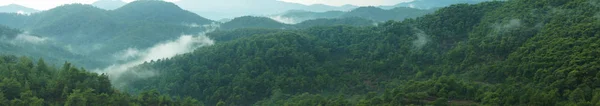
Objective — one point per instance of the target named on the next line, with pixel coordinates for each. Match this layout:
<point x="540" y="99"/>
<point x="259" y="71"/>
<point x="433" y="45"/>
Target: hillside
<point x="518" y="52"/>
<point x="158" y="11"/>
<point x="98" y="34"/>
<point x="253" y="22"/>
<point x="26" y="82"/>
<point x="371" y="13"/>
<point x="429" y="4"/>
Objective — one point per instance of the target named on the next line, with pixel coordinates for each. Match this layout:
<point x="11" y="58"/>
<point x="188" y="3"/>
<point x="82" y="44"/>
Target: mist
<point x="421" y="39"/>
<point x="285" y="20"/>
<point x="501" y="28"/>
<point x="133" y="57"/>
<point x="26" y="38"/>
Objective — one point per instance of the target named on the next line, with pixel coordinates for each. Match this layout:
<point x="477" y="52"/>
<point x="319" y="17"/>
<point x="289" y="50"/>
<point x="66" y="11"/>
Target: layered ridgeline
<point x="15" y="8"/>
<point x="264" y="22"/>
<point x="98" y="34"/>
<point x="24" y="82"/>
<point x="429" y="4"/>
<point x="219" y="9"/>
<point x="518" y="52"/>
<point x="371" y="13"/>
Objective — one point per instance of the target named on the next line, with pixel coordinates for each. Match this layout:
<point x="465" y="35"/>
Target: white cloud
<point x="25" y="38"/>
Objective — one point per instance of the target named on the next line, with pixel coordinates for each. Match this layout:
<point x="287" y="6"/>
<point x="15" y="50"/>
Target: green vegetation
<point x="25" y="83"/>
<point x="519" y="52"/>
<point x="253" y="22"/>
<point x="370" y="13"/>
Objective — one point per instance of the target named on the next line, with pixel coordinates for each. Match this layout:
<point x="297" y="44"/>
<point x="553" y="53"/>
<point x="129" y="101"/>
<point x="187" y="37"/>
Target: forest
<point x="514" y="52"/>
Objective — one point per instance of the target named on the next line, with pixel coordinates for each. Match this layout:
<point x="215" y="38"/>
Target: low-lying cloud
<point x="285" y="20"/>
<point x="421" y="39"/>
<point x="26" y="38"/>
<point x="511" y="25"/>
<point x="134" y="57"/>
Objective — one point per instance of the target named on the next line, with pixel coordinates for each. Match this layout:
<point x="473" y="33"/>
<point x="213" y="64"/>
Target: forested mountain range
<point x="15" y="8"/>
<point x="25" y="82"/>
<point x="90" y="31"/>
<point x="371" y="13"/>
<point x="219" y="9"/>
<point x="429" y="4"/>
<point x="264" y="22"/>
<point x="517" y="52"/>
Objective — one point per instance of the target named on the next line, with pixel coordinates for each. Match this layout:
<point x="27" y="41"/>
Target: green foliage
<point x="518" y="52"/>
<point x="381" y="15"/>
<point x="24" y="83"/>
<point x="253" y="22"/>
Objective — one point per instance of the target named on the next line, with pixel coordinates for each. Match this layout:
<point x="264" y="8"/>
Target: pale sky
<point x="48" y="4"/>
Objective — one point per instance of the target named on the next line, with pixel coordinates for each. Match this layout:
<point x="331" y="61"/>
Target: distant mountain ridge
<point x="220" y="9"/>
<point x="429" y="4"/>
<point x="372" y="13"/>
<point x="15" y="8"/>
<point x="89" y="30"/>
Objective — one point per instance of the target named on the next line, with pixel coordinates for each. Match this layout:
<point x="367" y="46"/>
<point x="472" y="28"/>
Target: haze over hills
<point x="219" y="9"/>
<point x="155" y="53"/>
<point x="88" y="30"/>
<point x="14" y="8"/>
<point x="109" y="4"/>
<point x="429" y="4"/>
<point x="371" y="13"/>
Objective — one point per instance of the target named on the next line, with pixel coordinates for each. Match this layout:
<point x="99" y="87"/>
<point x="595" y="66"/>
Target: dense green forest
<point x="514" y="52"/>
<point x="24" y="82"/>
<point x="97" y="34"/>
<point x="264" y="22"/>
<point x="370" y="13"/>
<point x="518" y="52"/>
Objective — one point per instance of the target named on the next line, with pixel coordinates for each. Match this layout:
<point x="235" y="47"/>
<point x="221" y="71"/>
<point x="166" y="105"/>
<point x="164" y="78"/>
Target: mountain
<point x="28" y="82"/>
<point x="109" y="4"/>
<point x="544" y="54"/>
<point x="429" y="4"/>
<point x="158" y="11"/>
<point x="378" y="14"/>
<point x="220" y="9"/>
<point x="350" y="21"/>
<point x="253" y="22"/>
<point x="99" y="34"/>
<point x="15" y="8"/>
<point x="371" y="13"/>
<point x="268" y="23"/>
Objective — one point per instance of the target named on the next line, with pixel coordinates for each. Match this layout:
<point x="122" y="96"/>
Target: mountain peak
<point x="155" y="10"/>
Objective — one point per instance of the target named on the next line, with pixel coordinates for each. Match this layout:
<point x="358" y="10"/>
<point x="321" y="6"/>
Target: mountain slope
<point x="158" y="11"/>
<point x="99" y="34"/>
<point x="27" y="82"/>
<point x="371" y="13"/>
<point x="481" y="54"/>
<point x="429" y="4"/>
<point x="253" y="22"/>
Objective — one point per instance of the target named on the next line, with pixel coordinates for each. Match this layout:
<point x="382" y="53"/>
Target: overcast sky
<point x="48" y="4"/>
